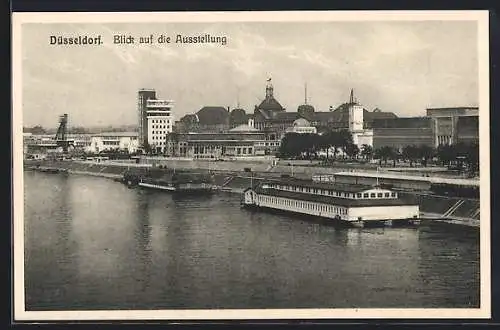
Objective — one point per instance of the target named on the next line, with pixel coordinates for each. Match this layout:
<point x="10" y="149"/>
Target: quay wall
<point x="282" y="167"/>
<point x="230" y="178"/>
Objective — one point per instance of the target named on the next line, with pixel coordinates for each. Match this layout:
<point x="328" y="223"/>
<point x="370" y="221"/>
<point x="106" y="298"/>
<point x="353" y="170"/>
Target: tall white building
<point x="160" y="123"/>
<point x="360" y="135"/>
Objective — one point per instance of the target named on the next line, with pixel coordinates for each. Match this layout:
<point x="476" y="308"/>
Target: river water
<point x="92" y="243"/>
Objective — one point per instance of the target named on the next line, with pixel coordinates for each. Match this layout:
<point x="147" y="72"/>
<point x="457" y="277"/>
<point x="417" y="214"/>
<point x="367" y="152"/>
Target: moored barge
<point x="181" y="182"/>
<point x="354" y="205"/>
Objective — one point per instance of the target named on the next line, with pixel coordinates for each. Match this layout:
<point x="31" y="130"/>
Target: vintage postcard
<point x="251" y="165"/>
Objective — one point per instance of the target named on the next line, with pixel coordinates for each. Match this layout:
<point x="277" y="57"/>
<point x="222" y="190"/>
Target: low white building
<point x="302" y="126"/>
<point x="81" y="141"/>
<point x="125" y="141"/>
<point x="160" y="123"/>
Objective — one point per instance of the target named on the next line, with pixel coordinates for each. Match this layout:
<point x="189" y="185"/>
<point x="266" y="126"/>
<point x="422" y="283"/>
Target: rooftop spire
<point x="305" y="93"/>
<point x="237" y="97"/>
<point x="351" y="99"/>
<point x="269" y="88"/>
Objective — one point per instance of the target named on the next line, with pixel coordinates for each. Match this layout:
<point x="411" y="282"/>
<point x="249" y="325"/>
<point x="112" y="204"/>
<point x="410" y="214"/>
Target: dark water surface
<point x="91" y="243"/>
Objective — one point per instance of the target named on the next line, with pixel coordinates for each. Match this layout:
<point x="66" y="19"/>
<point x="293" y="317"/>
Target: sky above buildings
<point x="403" y="67"/>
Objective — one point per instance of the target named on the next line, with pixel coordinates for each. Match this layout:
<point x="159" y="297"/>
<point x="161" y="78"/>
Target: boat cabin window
<point x="372" y="195"/>
<point x="358" y="195"/>
<point x="393" y="194"/>
<point x="337" y="193"/>
<point x="365" y="195"/>
<point x="386" y="195"/>
<point x="379" y="195"/>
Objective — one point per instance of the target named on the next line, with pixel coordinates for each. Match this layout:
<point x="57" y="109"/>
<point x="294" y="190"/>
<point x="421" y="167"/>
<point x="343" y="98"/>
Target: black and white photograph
<point x="251" y="165"/>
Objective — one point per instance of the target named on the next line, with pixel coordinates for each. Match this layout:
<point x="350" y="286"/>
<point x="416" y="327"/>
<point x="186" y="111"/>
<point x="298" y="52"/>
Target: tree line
<point x="458" y="156"/>
<point x="310" y="146"/>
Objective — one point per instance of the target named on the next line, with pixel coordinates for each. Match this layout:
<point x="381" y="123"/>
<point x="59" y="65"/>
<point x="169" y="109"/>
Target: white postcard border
<point x="20" y="313"/>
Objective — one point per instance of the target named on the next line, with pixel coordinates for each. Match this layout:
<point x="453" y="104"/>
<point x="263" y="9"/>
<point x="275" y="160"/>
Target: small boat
<point x="51" y="170"/>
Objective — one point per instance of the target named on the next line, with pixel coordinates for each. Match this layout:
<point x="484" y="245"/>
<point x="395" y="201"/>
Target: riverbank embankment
<point x="232" y="178"/>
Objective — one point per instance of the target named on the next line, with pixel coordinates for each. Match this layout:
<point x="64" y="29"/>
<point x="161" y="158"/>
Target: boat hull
<point x="177" y="190"/>
<point x="338" y="222"/>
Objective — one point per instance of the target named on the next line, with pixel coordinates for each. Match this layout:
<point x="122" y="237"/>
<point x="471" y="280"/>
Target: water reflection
<point x="92" y="243"/>
<point x="48" y="233"/>
<point x="440" y="255"/>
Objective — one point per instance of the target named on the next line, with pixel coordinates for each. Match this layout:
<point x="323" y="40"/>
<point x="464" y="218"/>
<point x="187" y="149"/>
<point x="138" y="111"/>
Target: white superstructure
<point x="352" y="204"/>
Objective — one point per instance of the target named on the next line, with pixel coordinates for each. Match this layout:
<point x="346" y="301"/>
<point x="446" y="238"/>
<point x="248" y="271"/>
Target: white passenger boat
<point x="355" y="205"/>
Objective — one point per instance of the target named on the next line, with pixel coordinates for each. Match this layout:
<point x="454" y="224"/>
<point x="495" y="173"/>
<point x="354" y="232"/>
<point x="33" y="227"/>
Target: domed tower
<point x="269" y="107"/>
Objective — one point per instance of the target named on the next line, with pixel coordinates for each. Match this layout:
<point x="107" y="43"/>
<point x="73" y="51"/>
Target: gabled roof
<point x="323" y="116"/>
<point x="213" y="115"/>
<point x="341" y="114"/>
<point x="286" y="116"/>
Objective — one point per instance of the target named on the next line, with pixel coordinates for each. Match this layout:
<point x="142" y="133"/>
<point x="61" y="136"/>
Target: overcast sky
<point x="403" y="67"/>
